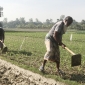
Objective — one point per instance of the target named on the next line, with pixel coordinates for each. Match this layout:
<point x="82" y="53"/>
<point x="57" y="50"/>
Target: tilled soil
<point x="14" y="75"/>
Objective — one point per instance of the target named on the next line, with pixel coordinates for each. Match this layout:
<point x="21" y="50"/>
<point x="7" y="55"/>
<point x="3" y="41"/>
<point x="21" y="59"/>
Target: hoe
<point x="75" y="59"/>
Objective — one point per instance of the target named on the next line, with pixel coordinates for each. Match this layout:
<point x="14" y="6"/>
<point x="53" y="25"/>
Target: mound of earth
<point x="14" y="75"/>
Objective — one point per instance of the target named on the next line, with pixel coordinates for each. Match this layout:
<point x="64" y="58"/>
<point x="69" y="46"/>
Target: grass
<point x="30" y="56"/>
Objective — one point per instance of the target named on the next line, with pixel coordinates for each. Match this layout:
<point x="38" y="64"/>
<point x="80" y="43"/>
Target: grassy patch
<point x="30" y="55"/>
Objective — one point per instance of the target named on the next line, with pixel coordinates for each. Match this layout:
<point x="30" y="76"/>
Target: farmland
<point x="26" y="50"/>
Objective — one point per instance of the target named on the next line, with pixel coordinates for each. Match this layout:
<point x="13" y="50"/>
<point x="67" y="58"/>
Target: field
<point x="26" y="49"/>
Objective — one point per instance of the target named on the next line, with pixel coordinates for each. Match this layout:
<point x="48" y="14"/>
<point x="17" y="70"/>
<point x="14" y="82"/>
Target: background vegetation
<point x="21" y="23"/>
<point x="29" y="55"/>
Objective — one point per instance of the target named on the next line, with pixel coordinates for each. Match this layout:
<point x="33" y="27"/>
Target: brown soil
<point x="14" y="75"/>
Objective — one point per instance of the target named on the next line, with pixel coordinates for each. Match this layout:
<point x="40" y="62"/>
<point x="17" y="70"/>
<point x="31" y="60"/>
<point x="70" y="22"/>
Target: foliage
<point x="21" y="23"/>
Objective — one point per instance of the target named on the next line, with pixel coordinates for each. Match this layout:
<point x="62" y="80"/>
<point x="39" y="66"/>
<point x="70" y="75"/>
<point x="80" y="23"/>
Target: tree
<point x="62" y="17"/>
<point x="51" y="20"/>
<point x="58" y="20"/>
<point x="83" y="22"/>
<point x="31" y="20"/>
<point x="22" y="22"/>
<point x="37" y="21"/>
<point x="47" y="21"/>
<point x="5" y="23"/>
<point x="5" y="20"/>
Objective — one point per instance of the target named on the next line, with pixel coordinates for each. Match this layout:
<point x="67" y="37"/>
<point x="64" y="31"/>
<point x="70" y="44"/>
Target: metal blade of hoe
<point x="76" y="60"/>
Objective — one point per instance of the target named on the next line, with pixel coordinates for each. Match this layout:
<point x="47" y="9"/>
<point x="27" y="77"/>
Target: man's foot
<point x="61" y="73"/>
<point x="41" y="69"/>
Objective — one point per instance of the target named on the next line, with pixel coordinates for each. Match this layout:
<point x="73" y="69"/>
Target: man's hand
<point x="63" y="45"/>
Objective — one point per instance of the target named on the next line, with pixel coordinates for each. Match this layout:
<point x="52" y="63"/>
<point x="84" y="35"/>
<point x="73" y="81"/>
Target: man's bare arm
<point x="56" y="37"/>
<point x="59" y="41"/>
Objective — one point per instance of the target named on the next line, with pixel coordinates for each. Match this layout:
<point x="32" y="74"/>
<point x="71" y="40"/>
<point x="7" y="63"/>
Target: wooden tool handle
<point x="69" y="51"/>
<point x="2" y="43"/>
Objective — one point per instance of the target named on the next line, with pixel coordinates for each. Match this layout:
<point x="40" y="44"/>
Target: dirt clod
<point x="14" y="75"/>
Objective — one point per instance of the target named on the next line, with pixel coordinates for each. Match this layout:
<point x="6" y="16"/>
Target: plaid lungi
<point x="53" y="52"/>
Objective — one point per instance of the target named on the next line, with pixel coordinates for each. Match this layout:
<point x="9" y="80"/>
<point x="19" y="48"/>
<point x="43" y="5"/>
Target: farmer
<point x="53" y="40"/>
<point x="1" y="36"/>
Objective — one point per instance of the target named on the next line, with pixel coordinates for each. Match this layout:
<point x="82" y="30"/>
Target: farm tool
<point x="5" y="47"/>
<point x="75" y="59"/>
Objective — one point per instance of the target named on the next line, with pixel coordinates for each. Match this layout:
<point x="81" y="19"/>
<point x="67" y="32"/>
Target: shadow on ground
<point x="20" y="52"/>
<point x="80" y="78"/>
